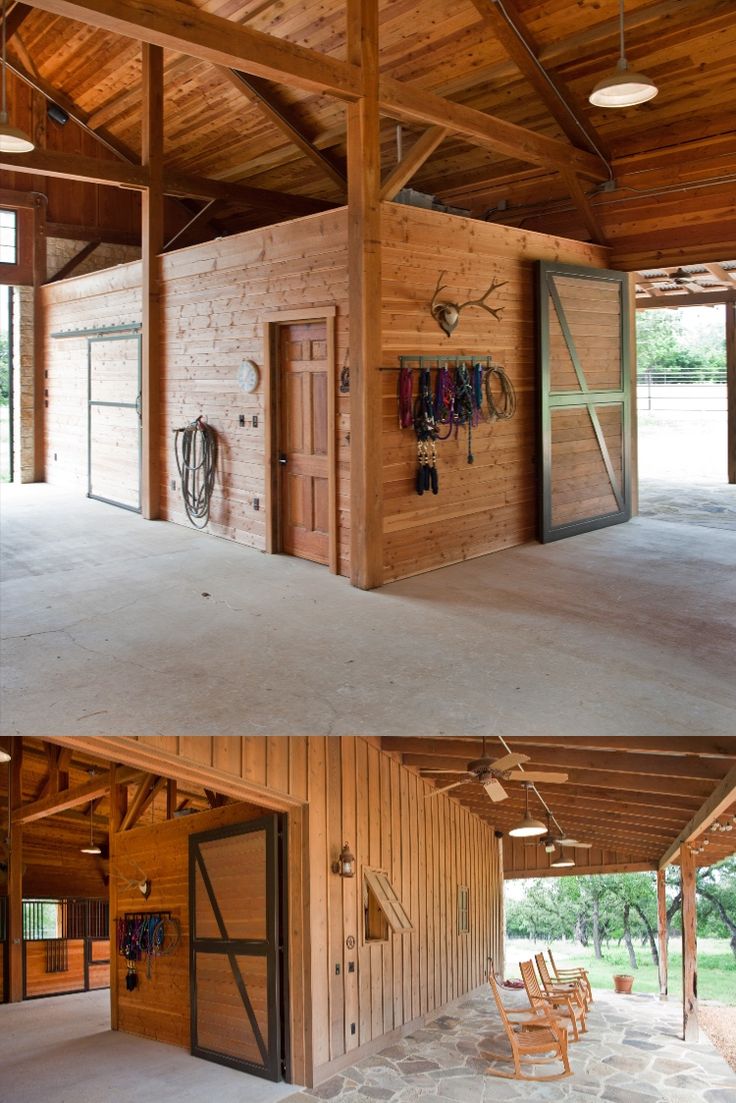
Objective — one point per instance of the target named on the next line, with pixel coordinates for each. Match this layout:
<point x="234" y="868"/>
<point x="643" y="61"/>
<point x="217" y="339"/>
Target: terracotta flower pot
<point x="623" y="983"/>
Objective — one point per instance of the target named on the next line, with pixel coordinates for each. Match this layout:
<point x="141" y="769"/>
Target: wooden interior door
<point x="585" y="407"/>
<point x="304" y="476"/>
<point x="114" y="420"/>
<point x="236" y="966"/>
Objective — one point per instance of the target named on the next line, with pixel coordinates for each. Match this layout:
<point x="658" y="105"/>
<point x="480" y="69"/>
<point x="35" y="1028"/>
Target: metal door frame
<point x="582" y="398"/>
<point x="277" y="1066"/>
<point x="137" y="406"/>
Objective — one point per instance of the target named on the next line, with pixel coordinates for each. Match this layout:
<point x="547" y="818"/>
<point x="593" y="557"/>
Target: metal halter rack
<point x="434" y="363"/>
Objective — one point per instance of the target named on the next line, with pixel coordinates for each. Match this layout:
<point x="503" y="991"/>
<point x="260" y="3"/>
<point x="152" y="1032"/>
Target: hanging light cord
<point x="532" y="785"/>
<point x="593" y="145"/>
<point x="621" y="32"/>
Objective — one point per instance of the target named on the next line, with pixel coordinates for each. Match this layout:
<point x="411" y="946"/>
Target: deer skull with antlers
<point x="447" y="314"/>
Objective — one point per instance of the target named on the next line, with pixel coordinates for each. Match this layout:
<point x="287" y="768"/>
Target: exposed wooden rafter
<point x="410" y="164"/>
<point x="260" y="92"/>
<point x="98" y="786"/>
<point x="73" y="263"/>
<point x="721" y="799"/>
<point x="145" y="793"/>
<point x="73" y="167"/>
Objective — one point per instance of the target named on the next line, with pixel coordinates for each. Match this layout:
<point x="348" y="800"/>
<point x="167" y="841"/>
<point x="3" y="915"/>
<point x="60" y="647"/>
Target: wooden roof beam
<point x="509" y="29"/>
<point x="117" y="173"/>
<point x="178" y="26"/>
<point x="720" y="799"/>
<point x="579" y="871"/>
<point x="582" y="201"/>
<point x="409" y="165"/>
<point x="259" y="92"/>
<point x="15" y="19"/>
<point x="697" y="298"/>
<point x="68" y="798"/>
<point x="404" y="101"/>
<point x="147" y="790"/>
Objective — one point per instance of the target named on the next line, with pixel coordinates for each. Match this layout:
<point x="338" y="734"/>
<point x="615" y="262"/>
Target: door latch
<point x="282" y="458"/>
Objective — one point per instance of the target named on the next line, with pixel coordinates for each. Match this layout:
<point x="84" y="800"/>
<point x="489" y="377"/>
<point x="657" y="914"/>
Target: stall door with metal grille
<point x="585" y="412"/>
<point x="236" y="966"/>
<point x="303" y="441"/>
<point x="114" y="423"/>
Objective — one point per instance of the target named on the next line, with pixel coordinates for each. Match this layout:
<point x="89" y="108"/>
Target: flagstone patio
<point x="632" y="1053"/>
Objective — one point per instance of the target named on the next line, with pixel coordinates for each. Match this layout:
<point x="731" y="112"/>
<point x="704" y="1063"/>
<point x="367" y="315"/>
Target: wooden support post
<point x="730" y="309"/>
<point x="662" y="933"/>
<point x="118" y="808"/>
<point x="634" y="425"/>
<point x="39" y="366"/>
<point x="689" y="946"/>
<point x="171" y="798"/>
<point x="152" y="243"/>
<point x="364" y="251"/>
<point x="14" y="986"/>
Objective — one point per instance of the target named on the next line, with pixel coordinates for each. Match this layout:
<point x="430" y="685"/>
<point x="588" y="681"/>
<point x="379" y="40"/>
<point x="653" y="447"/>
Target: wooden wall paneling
<point x="277" y="763"/>
<point x="40" y="983"/>
<point x="361" y="767"/>
<point x="297" y="777"/>
<point x="351" y="896"/>
<point x="336" y="922"/>
<point x="227" y="754"/>
<point x="15" y="878"/>
<point x="318" y="898"/>
<point x="421" y="930"/>
<point x="376" y="957"/>
<point x="389" y="948"/>
<point x="254" y="758"/>
<point x="400" y="942"/>
<point x="405" y="892"/>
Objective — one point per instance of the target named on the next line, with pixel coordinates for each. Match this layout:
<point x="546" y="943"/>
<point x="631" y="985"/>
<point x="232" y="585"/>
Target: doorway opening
<point x="682" y="407"/>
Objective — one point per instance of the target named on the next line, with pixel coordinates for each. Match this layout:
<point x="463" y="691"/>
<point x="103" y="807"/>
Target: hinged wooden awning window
<point x="379" y="885"/>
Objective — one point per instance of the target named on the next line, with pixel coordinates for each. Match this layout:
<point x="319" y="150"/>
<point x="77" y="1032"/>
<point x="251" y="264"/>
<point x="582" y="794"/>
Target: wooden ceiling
<point x="673" y="159"/>
<point x="629" y="796"/>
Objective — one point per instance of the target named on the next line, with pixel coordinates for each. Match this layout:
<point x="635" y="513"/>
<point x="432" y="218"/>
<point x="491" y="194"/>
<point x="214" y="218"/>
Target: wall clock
<point x="248" y="376"/>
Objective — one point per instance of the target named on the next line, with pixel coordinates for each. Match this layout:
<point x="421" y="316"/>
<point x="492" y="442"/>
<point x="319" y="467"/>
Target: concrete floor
<point x="112" y="625"/>
<point x="61" y="1050"/>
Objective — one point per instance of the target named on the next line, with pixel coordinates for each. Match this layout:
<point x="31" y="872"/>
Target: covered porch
<point x="632" y="1053"/>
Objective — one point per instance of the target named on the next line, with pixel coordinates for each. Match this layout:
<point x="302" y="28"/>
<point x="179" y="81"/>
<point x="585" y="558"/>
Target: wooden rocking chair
<point x="575" y="987"/>
<point x="563" y="1004"/>
<point x="538" y="1038"/>
<point x="573" y="972"/>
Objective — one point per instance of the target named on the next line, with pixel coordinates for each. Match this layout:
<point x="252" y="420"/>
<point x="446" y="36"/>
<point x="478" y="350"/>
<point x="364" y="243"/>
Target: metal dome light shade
<point x="12" y="140"/>
<point x="528" y="826"/>
<point x="623" y="87"/>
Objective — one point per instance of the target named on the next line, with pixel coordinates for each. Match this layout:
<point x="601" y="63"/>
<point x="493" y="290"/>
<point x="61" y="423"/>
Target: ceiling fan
<point x="489" y="772"/>
<point x="683" y="279"/>
<point x="553" y="839"/>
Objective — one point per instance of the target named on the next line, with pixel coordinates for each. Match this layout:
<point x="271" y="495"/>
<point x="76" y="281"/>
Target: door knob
<point x="282" y="458"/>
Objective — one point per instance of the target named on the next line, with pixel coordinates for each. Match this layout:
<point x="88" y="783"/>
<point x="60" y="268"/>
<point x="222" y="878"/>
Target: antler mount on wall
<point x="447" y="314"/>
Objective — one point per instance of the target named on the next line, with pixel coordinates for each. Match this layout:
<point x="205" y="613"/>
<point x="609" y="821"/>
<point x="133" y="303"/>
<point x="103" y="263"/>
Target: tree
<point x="4" y="370"/>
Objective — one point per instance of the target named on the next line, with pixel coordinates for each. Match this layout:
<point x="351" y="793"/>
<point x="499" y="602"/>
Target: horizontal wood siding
<point x="358" y="794"/>
<point x="214" y="298"/>
<point x="41" y="983"/>
<point x="492" y="503"/>
<point x="106" y="298"/>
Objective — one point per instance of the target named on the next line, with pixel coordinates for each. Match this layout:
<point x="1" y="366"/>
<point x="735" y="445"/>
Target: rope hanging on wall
<point x="196" y="460"/>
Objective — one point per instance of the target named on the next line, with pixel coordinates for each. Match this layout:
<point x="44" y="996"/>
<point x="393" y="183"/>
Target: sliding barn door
<point x="114" y="420"/>
<point x="585" y="399"/>
<point x="236" y="968"/>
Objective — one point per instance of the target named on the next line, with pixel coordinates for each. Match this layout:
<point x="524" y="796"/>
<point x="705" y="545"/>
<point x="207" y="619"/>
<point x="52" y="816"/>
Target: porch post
<point x="730" y="309"/>
<point x="662" y="931"/>
<point x="152" y="242"/>
<point x="14" y="984"/>
<point x="689" y="946"/>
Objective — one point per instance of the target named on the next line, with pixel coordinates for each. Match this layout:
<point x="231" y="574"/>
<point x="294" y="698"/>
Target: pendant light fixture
<point x="528" y="827"/>
<point x="92" y="848"/>
<point x="562" y="862"/>
<point x="4" y="756"/>
<point x="623" y="87"/>
<point x="12" y="140"/>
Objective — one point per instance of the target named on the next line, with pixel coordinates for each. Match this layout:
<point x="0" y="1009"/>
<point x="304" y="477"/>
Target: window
<point x="463" y="909"/>
<point x="8" y="237"/>
<point x="381" y="907"/>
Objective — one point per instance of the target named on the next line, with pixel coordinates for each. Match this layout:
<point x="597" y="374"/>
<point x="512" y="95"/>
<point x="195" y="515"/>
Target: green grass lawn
<point x="716" y="965"/>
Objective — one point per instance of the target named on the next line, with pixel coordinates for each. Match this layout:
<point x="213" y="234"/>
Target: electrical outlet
<point x="352" y="1028"/>
<point x="351" y="966"/>
<point x="256" y="504"/>
<point x="241" y="421"/>
<point x="255" y="421"/>
<point x="337" y="969"/>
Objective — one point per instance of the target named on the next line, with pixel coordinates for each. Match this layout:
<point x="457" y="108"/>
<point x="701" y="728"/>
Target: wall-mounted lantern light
<point x="345" y="864"/>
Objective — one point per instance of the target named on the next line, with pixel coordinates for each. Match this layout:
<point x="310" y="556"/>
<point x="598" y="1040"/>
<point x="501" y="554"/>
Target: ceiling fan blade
<point x="575" y="843"/>
<point x="443" y="789"/>
<point x="509" y="761"/>
<point x="495" y="789"/>
<point x="536" y="775"/>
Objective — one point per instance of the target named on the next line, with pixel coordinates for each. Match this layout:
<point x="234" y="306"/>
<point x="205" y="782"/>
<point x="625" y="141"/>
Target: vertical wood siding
<point x="359" y="794"/>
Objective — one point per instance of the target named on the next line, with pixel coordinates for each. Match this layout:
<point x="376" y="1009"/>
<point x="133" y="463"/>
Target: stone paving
<point x="632" y="1053"/>
<point x="708" y="504"/>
